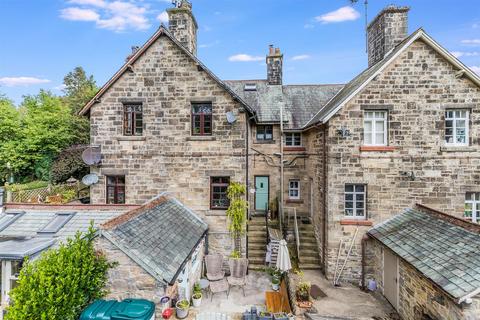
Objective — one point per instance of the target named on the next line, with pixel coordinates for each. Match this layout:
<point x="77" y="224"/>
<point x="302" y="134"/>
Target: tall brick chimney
<point x="274" y="66"/>
<point x="183" y="25"/>
<point x="387" y="30"/>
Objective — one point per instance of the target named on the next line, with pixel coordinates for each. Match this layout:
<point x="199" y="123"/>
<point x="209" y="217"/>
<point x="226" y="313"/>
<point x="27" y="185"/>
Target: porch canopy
<point x="18" y="249"/>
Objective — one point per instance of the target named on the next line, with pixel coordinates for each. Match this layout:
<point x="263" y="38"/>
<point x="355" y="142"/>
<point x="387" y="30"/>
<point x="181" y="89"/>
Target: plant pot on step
<point x="275" y="284"/>
<point x="280" y="316"/>
<point x="182" y="307"/>
<point x="265" y="316"/>
<point x="197" y="299"/>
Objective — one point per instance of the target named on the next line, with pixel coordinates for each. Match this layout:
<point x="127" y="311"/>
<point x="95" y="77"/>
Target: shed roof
<point x="18" y="249"/>
<point x="300" y="102"/>
<point x="160" y="236"/>
<point x="442" y="248"/>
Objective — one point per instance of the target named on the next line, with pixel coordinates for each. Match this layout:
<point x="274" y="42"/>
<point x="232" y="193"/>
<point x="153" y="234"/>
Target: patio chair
<point x="214" y="264"/>
<point x="238" y="273"/>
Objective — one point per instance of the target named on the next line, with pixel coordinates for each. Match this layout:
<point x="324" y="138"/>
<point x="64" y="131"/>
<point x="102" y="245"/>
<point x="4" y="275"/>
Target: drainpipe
<point x="247" y="136"/>
<point x="1" y="199"/>
<point x="281" y="168"/>
<point x="364" y="260"/>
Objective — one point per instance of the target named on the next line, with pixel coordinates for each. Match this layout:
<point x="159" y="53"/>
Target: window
<point x="201" y="119"/>
<point x="355" y="198"/>
<point x="294" y="189"/>
<point x="133" y="120"/>
<point x="115" y="189"/>
<point x="456" y="127"/>
<point x="264" y="133"/>
<point x="472" y="206"/>
<point x="57" y="222"/>
<point x="293" y="139"/>
<point x="8" y="218"/>
<point x="218" y="192"/>
<point x="375" y="128"/>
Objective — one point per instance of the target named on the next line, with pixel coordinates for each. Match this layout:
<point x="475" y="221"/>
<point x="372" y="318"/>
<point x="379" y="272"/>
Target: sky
<point x="323" y="41"/>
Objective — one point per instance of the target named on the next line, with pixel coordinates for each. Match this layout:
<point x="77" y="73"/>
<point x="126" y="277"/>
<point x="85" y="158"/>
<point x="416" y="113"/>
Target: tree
<point x="236" y="213"/>
<point x="62" y="282"/>
<point x="68" y="164"/>
<point x="79" y="89"/>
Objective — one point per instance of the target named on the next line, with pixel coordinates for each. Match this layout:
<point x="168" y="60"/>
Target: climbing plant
<point x="236" y="212"/>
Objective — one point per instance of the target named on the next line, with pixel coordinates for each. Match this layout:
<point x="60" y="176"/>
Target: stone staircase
<point x="309" y="257"/>
<point x="257" y="243"/>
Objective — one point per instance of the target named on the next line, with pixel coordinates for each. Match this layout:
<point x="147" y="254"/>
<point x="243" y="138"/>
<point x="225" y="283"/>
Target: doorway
<point x="261" y="193"/>
<point x="390" y="277"/>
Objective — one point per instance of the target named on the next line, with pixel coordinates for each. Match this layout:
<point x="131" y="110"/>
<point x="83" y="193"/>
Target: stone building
<point x="403" y="131"/>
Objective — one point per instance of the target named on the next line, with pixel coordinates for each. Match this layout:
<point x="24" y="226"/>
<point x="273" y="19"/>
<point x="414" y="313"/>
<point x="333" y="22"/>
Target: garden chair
<point x="238" y="273"/>
<point x="214" y="264"/>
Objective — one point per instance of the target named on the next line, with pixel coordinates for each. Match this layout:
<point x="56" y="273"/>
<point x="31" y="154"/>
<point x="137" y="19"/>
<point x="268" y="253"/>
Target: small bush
<point x="26" y="186"/>
<point x="62" y="282"/>
<point x="68" y="164"/>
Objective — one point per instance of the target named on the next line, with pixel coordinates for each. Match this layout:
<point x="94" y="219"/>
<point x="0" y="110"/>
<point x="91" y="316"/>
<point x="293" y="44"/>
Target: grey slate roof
<point x="20" y="248"/>
<point x="300" y="102"/>
<point x="159" y="236"/>
<point x="444" y="252"/>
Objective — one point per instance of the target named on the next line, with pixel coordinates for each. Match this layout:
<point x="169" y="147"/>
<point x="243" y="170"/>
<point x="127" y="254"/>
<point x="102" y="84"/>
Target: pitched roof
<point x="442" y="248"/>
<point x="300" y="102"/>
<point x="162" y="31"/>
<point x="159" y="236"/>
<point x="350" y="90"/>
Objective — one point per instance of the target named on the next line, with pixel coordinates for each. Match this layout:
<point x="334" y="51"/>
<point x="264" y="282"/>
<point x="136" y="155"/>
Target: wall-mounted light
<point x="343" y="132"/>
<point x="408" y="174"/>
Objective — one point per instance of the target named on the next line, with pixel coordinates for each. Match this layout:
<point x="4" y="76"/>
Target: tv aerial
<point x="177" y="3"/>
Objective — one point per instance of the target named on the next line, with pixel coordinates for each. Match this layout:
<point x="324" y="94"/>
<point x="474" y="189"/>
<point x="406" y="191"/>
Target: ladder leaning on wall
<point x="342" y="248"/>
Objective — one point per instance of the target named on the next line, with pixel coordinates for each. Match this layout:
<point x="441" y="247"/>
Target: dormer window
<point x="202" y="119"/>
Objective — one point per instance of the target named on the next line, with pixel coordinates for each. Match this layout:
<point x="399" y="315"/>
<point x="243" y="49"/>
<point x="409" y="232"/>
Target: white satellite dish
<point x="90" y="179"/>
<point x="92" y="156"/>
<point x="231" y="118"/>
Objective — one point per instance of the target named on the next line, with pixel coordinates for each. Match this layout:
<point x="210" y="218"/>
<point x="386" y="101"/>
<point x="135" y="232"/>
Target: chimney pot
<point x="183" y="25"/>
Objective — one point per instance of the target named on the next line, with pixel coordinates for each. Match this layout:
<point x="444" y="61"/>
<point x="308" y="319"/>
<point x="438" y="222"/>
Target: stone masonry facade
<point x="416" y="90"/>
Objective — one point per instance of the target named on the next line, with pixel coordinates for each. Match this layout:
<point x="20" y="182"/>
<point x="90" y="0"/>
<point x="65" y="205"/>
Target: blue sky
<point x="323" y="41"/>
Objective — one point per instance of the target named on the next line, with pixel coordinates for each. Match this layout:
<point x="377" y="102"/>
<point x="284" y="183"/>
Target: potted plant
<point x="265" y="316"/>
<point x="197" y="295"/>
<point x="303" y="291"/>
<point x="275" y="284"/>
<point x="280" y="316"/>
<point x="182" y="307"/>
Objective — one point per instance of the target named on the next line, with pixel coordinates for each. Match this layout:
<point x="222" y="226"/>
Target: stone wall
<point x="417" y="295"/>
<point x="167" y="158"/>
<point x="416" y="89"/>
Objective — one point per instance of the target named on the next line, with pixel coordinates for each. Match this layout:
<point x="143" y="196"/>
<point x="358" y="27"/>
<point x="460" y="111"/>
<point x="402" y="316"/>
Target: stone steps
<point x="308" y="266"/>
<point x="256" y="253"/>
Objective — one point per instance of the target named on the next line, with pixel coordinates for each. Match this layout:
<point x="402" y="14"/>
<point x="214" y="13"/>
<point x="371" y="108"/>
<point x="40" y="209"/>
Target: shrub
<point x="68" y="164"/>
<point x="62" y="282"/>
<point x="37" y="184"/>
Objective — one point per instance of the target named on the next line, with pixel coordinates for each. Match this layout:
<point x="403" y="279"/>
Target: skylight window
<point x="8" y="218"/>
<point x="57" y="222"/>
<point x="250" y="87"/>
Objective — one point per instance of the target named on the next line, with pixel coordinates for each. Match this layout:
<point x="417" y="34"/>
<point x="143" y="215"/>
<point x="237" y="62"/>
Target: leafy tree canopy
<point x="79" y="88"/>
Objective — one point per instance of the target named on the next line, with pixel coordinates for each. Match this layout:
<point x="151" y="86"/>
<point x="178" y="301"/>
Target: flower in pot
<point x="197" y="299"/>
<point x="182" y="307"/>
<point x="265" y="316"/>
<point x="275" y="284"/>
<point x="280" y="316"/>
<point x="303" y="291"/>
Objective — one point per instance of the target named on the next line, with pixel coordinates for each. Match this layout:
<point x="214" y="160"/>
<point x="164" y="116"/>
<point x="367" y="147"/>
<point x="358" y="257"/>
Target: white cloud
<point x="475" y="69"/>
<point x="77" y="14"/>
<point x="474" y="42"/>
<point x="59" y="87"/>
<point x="301" y="57"/>
<point x="308" y="26"/>
<point x="242" y="57"/>
<point x="163" y="17"/>
<point x="459" y="54"/>
<point x="21" y="81"/>
<point x="343" y="14"/>
<point x="116" y="15"/>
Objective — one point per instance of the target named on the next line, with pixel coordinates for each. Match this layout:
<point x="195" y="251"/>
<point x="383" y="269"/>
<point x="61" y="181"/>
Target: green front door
<point x="261" y="193"/>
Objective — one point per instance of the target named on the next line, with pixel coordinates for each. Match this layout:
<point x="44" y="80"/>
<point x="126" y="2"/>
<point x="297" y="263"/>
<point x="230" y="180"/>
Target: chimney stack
<point x="386" y="31"/>
<point x="183" y="25"/>
<point x="274" y="66"/>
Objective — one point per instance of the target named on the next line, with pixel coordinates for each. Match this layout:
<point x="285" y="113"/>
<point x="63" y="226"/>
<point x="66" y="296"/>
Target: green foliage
<point x="197" y="288"/>
<point x="236" y="212"/>
<point x="182" y="304"/>
<point x="26" y="186"/>
<point x="235" y="254"/>
<point x="68" y="164"/>
<point x="79" y="89"/>
<point x="62" y="282"/>
<point x="69" y="195"/>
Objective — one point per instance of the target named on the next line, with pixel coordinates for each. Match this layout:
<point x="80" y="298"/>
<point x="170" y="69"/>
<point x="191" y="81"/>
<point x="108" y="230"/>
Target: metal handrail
<point x="297" y="235"/>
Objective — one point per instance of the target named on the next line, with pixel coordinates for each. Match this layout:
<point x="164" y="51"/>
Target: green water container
<point x="129" y="309"/>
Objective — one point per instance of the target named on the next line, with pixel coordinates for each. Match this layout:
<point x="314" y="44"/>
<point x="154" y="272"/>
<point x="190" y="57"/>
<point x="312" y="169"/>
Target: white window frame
<point x="290" y="189"/>
<point x="354" y="208"/>
<point x="371" y="116"/>
<point x="293" y="139"/>
<point x="7" y="278"/>
<point x="474" y="201"/>
<point x="454" y="120"/>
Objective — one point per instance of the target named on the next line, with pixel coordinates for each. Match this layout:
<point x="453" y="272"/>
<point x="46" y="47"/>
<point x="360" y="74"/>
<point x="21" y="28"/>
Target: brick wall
<point x="417" y="88"/>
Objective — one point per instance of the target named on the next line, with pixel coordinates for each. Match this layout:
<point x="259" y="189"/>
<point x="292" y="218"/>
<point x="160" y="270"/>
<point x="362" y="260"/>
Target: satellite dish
<point x="231" y="118"/>
<point x="90" y="179"/>
<point x="91" y="156"/>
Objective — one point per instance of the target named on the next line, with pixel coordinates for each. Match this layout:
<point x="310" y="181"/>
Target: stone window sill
<point x="300" y="149"/>
<point x="377" y="148"/>
<point x="264" y="142"/>
<point x="354" y="222"/>
<point x="131" y="138"/>
<point x="201" y="138"/>
<point x="294" y="201"/>
<point x="457" y="149"/>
